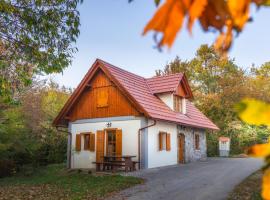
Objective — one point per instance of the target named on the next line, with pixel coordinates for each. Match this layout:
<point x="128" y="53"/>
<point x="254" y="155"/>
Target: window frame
<point x="86" y="143"/>
<point x="197" y="141"/>
<point x="177" y="103"/>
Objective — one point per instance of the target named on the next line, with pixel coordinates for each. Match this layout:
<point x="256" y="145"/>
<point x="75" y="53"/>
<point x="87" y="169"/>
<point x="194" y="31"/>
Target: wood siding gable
<point x="101" y="98"/>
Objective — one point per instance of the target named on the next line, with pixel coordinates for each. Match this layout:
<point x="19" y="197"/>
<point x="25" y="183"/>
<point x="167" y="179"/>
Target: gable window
<point x="197" y="142"/>
<point x="177" y="104"/>
<point x="164" y="141"/>
<point x="102" y="95"/>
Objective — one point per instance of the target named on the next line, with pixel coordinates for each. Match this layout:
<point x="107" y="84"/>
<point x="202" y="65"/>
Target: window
<point x="177" y="104"/>
<point x="197" y="142"/>
<point x="86" y="141"/>
<point x="111" y="146"/>
<point x="164" y="141"/>
<point x="102" y="97"/>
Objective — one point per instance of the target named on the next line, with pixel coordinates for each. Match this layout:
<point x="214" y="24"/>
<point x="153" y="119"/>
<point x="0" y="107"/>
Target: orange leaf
<point x="168" y="19"/>
<point x="266" y="185"/>
<point x="239" y="10"/>
<point x="260" y="150"/>
<point x="196" y="9"/>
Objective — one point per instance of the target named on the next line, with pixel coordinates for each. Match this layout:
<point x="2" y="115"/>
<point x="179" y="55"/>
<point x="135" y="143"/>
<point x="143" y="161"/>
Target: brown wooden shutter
<point x="168" y="141"/>
<point x="78" y="142"/>
<point x="160" y="141"/>
<point x="102" y="97"/>
<point x="100" y="146"/>
<point x="92" y="142"/>
<point x="119" y="142"/>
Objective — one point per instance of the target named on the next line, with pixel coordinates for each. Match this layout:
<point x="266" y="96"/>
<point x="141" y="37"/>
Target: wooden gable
<point x="101" y="98"/>
<point x="180" y="91"/>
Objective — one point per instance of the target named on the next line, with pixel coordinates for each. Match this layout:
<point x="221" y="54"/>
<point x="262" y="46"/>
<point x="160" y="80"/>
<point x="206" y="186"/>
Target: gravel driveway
<point x="208" y="180"/>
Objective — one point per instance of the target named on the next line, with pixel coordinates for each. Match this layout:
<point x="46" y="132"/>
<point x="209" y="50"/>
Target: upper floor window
<point x="177" y="104"/>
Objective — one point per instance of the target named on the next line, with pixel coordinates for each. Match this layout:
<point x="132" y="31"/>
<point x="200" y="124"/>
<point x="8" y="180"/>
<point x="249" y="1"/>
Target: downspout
<point x="139" y="141"/>
<point x="70" y="142"/>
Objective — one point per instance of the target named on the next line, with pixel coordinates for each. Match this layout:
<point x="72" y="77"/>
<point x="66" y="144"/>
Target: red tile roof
<point x="141" y="92"/>
<point x="163" y="84"/>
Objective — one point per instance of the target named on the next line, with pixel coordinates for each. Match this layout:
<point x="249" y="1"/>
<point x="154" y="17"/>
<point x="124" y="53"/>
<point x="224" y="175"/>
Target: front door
<point x="181" y="148"/>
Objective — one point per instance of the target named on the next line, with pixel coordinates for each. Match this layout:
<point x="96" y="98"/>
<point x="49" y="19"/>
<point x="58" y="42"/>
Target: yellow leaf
<point x="260" y="150"/>
<point x="168" y="19"/>
<point x="196" y="9"/>
<point x="254" y="112"/>
<point x="239" y="10"/>
<point x="266" y="185"/>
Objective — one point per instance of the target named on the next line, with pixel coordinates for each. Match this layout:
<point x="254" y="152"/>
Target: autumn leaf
<point x="195" y="11"/>
<point x="254" y="112"/>
<point x="212" y="15"/>
<point x="260" y="150"/>
<point x="168" y="19"/>
<point x="239" y="10"/>
<point x="266" y="185"/>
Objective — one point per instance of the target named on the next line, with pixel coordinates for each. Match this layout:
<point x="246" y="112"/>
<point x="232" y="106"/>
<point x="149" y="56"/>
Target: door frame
<point x="182" y="137"/>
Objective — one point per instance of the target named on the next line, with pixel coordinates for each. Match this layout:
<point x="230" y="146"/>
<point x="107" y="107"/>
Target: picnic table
<point x="114" y="162"/>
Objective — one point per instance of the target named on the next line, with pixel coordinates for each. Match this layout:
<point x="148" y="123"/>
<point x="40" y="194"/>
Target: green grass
<point x="250" y="188"/>
<point x="55" y="179"/>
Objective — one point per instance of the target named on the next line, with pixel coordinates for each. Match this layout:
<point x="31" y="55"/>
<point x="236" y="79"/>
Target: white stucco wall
<point x="167" y="98"/>
<point x="84" y="159"/>
<point x="158" y="158"/>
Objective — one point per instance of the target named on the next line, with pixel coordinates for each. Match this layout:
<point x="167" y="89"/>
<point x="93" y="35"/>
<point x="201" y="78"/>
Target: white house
<point x="115" y="112"/>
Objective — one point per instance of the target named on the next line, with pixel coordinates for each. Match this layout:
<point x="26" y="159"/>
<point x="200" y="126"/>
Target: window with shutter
<point x="78" y="142"/>
<point x="168" y="142"/>
<point x="162" y="141"/>
<point x="86" y="141"/>
<point x="197" y="142"/>
<point x="102" y="97"/>
<point x="92" y="142"/>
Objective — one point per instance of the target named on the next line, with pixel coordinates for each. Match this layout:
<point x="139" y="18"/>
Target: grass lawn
<point x="249" y="189"/>
<point x="54" y="182"/>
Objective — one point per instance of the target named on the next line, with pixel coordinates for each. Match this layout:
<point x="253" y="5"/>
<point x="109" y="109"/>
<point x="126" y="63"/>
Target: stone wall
<point x="191" y="153"/>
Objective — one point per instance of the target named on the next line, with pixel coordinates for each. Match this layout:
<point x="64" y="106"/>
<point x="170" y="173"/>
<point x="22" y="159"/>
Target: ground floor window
<point x="164" y="141"/>
<point x="197" y="142"/>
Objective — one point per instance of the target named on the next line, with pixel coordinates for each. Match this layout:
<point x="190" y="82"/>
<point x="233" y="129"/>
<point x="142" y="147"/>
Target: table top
<point x="124" y="156"/>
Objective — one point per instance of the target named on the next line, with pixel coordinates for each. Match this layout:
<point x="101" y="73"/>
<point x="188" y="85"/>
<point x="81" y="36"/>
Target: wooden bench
<point x="134" y="164"/>
<point x="110" y="165"/>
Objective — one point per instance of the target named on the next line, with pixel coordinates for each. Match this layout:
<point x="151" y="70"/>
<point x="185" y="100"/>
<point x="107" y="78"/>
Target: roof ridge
<point x="120" y="68"/>
<point x="178" y="73"/>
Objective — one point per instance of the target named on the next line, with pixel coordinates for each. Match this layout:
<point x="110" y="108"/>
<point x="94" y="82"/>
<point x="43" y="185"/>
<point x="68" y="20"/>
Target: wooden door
<point x="100" y="146"/>
<point x="181" y="148"/>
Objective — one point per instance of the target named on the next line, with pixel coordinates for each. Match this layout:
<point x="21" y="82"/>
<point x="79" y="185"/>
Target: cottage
<point x="115" y="112"/>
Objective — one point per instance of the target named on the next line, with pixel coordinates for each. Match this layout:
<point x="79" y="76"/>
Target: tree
<point x="35" y="37"/>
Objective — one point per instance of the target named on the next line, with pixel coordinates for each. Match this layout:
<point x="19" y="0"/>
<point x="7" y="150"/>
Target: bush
<point x="7" y="168"/>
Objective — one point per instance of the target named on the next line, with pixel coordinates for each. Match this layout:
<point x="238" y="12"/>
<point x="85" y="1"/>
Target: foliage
<point x="218" y="84"/>
<point x="256" y="112"/>
<point x="226" y="17"/>
<point x="59" y="182"/>
<point x="35" y="37"/>
<point x="26" y="133"/>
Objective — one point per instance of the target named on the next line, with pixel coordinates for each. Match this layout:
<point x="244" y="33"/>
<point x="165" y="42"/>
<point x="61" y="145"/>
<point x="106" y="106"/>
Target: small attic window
<point x="102" y="95"/>
<point x="177" y="103"/>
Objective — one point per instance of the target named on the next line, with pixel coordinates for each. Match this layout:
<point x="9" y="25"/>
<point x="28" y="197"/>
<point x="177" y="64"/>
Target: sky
<point x="112" y="31"/>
